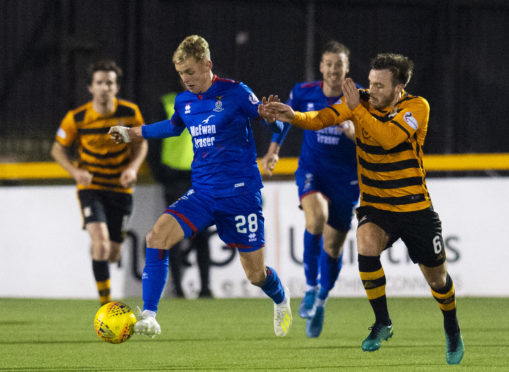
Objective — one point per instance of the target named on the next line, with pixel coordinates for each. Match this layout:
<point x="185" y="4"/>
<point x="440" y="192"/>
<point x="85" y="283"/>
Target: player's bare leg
<point x="100" y="249"/>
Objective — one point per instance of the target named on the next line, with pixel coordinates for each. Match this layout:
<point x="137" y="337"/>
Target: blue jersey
<point x="219" y="121"/>
<point x="328" y="149"/>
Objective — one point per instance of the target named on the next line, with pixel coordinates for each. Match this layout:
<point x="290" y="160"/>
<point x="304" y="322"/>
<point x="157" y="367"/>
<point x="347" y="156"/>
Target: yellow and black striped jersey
<point x="98" y="153"/>
<point x="389" y="149"/>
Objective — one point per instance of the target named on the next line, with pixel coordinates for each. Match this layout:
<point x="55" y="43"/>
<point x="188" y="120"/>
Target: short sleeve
<point x="67" y="132"/>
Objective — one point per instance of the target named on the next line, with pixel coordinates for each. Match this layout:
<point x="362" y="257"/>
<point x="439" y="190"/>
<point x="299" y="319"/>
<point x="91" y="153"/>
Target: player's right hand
<point x="268" y="162"/>
<point x="120" y="134"/>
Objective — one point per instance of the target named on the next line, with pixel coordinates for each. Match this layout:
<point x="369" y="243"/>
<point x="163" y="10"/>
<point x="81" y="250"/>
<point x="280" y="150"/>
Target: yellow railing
<point x="285" y="166"/>
<point x="438" y="163"/>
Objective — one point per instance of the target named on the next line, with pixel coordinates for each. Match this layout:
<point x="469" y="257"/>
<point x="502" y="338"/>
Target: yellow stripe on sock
<point x="104" y="291"/>
<point x="376" y="292"/>
<point x="103" y="285"/>
<point x="104" y="299"/>
<point x="372" y="275"/>
<point x="442" y="296"/>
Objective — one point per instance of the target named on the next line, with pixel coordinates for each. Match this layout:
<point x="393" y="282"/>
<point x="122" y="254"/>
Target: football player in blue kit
<point x="226" y="181"/>
<point x="327" y="183"/>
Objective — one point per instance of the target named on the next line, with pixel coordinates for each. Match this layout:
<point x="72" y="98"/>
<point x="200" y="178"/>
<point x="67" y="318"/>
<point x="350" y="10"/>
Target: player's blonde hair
<point x="192" y="46"/>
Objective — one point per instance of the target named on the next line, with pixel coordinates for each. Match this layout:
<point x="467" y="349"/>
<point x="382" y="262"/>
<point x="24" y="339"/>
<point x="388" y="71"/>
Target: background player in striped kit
<point x="328" y="187"/>
<point x="105" y="171"/>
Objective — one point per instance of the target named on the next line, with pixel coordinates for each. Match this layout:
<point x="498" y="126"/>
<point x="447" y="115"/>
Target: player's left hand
<point x="351" y="93"/>
<point x="128" y="177"/>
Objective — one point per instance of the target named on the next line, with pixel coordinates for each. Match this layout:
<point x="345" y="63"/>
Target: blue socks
<point x="154" y="277"/>
<point x="329" y="273"/>
<point x="273" y="287"/>
<point x="312" y="248"/>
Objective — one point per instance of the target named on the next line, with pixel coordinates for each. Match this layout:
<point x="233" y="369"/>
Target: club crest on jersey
<point x="187" y="108"/>
<point x="310" y="106"/>
<point x="365" y="134"/>
<point x="253" y="99"/>
<point x="219" y="104"/>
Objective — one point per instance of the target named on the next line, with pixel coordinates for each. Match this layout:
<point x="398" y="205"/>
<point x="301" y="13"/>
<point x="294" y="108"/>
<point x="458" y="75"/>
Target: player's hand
<point x="268" y="115"/>
<point x="268" y="162"/>
<point x="83" y="177"/>
<point x="348" y="128"/>
<point x="128" y="177"/>
<point x="351" y="93"/>
<point x="280" y="111"/>
<point x="120" y="134"/>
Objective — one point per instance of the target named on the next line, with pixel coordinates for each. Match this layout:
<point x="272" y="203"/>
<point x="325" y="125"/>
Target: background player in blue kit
<point x="226" y="181"/>
<point x="327" y="182"/>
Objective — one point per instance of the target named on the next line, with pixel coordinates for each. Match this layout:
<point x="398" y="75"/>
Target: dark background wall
<point x="460" y="48"/>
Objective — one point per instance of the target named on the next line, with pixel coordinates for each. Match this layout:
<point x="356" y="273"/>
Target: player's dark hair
<point x="334" y="46"/>
<point x="402" y="67"/>
<point x="103" y="65"/>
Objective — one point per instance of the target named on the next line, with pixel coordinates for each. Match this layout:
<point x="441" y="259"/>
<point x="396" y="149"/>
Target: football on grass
<point x="114" y="322"/>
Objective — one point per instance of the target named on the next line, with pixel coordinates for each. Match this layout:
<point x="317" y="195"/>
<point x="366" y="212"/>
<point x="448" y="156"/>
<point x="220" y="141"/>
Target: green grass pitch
<point x="237" y="335"/>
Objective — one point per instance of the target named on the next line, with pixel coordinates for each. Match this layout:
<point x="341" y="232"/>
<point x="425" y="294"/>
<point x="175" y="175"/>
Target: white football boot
<point x="147" y="324"/>
<point x="283" y="316"/>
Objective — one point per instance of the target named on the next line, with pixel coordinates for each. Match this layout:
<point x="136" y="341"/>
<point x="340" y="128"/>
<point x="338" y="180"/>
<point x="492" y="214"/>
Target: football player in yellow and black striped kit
<point x="390" y="128"/>
<point x="105" y="172"/>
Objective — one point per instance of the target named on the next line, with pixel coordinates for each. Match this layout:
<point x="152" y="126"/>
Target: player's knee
<point x="437" y="282"/>
<point x="333" y="250"/>
<point x="158" y="239"/>
<point x="316" y="223"/>
<point x="152" y="239"/>
<point x="101" y="249"/>
<point x="114" y="253"/>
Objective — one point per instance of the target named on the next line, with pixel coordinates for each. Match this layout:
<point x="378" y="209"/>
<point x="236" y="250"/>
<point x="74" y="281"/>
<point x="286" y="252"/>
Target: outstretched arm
<point x="312" y="120"/>
<point x="271" y="109"/>
<point x="121" y="134"/>
<point x="161" y="129"/>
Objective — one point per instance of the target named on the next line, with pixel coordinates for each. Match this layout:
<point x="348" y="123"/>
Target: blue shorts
<point x="238" y="219"/>
<point x="342" y="195"/>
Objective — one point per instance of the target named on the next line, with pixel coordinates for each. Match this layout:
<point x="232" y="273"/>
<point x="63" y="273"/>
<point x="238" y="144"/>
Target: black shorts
<point x="421" y="231"/>
<point x="113" y="208"/>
